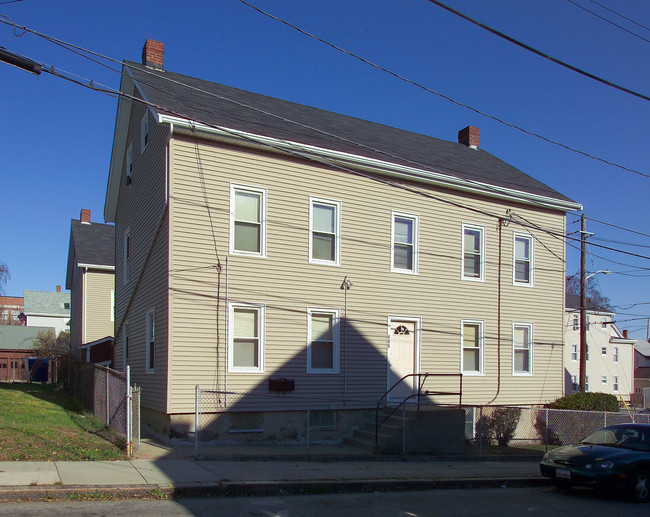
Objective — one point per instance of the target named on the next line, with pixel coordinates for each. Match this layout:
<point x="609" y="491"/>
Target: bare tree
<point x="594" y="295"/>
<point x="4" y="276"/>
<point x="46" y="345"/>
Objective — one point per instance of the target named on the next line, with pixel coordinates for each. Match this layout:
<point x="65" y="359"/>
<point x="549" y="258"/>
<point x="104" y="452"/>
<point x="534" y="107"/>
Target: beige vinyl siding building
<point x="239" y="251"/>
<point x="610" y="355"/>
<point x="91" y="281"/>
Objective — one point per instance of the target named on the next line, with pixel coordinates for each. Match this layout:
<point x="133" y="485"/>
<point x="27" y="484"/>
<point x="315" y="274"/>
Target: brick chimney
<point x="153" y="53"/>
<point x="469" y="137"/>
<point x="625" y="334"/>
<point x="85" y="216"/>
<point x="58" y="288"/>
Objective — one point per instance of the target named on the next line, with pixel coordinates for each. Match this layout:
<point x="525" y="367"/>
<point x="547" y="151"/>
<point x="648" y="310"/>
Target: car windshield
<point x="626" y="437"/>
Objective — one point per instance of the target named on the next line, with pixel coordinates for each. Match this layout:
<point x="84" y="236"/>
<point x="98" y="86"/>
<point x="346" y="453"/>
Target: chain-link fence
<point x="494" y="428"/>
<point x="232" y="418"/>
<point x="107" y="394"/>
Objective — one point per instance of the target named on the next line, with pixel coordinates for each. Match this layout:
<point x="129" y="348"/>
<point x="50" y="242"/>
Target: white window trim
<point x="151" y="313"/>
<point x="531" y="351"/>
<point x="416" y="238"/>
<point x="337" y="229"/>
<point x="575" y="322"/>
<point x="615" y="383"/>
<point x="336" y="345"/>
<point x="603" y="350"/>
<point x="261" y="325"/>
<point x="603" y="379"/>
<point x="481" y="277"/>
<point x="126" y="336"/>
<point x="586" y="382"/>
<point x="262" y="192"/>
<point x="481" y="345"/>
<point x="616" y="354"/>
<point x="112" y="304"/>
<point x="144" y="125"/>
<point x="577" y="353"/>
<point x="126" y="255"/>
<point x="531" y="260"/>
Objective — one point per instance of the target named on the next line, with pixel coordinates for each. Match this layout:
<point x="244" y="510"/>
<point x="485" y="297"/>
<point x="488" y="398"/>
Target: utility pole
<point x="583" y="302"/>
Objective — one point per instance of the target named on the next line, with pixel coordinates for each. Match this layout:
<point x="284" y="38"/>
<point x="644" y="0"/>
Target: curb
<point x="271" y="488"/>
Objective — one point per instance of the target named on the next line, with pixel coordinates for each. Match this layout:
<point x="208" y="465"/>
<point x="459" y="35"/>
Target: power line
<point x="539" y="52"/>
<point x="618" y="227"/>
<point x="446" y="97"/>
<point x="609" y="21"/>
<point x="621" y="15"/>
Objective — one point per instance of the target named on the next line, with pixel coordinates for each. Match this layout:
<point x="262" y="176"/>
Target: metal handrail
<point x="422" y="377"/>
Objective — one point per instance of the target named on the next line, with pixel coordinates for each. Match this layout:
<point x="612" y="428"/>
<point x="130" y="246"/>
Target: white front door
<point x="402" y="359"/>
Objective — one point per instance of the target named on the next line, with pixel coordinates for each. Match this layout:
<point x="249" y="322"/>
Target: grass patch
<point x="44" y="423"/>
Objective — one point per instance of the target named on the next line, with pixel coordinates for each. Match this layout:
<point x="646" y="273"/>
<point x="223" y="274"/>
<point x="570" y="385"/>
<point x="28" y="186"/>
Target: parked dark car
<point x="616" y="457"/>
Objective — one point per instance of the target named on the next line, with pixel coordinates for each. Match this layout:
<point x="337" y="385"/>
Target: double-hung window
<point x="603" y="350"/>
<point x="150" y="352"/>
<point x="615" y="383"/>
<point x="324" y="231"/>
<point x="576" y="322"/>
<point x="323" y="344"/>
<point x="473" y="252"/>
<point x="246" y="350"/>
<point x="574" y="383"/>
<point x="404" y="258"/>
<point x="473" y="339"/>
<point x="523" y="259"/>
<point x="615" y="353"/>
<point x="603" y="379"/>
<point x="574" y="353"/>
<point x="247" y="221"/>
<point x="522" y="343"/>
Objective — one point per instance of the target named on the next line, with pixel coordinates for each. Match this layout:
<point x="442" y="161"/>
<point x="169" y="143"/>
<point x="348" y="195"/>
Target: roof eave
<point x="186" y="127"/>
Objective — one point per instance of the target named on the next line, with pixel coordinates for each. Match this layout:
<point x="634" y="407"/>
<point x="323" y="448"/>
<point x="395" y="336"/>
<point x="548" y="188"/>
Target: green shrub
<point x="587" y="401"/>
<point x="500" y="426"/>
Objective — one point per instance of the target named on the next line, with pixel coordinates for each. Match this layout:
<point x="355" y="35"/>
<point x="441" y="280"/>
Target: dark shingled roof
<point x="94" y="243"/>
<point x="572" y="301"/>
<point x="245" y="111"/>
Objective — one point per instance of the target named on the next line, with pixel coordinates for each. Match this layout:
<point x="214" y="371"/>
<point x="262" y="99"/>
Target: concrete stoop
<point x="390" y="435"/>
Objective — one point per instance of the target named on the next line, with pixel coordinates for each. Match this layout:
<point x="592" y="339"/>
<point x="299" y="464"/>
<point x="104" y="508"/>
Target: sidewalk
<point x="159" y="471"/>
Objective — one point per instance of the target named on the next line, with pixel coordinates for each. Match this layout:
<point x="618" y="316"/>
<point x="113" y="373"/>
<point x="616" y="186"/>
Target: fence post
<point x="480" y="431"/>
<point x="197" y="402"/>
<point x="605" y="419"/>
<point x="546" y="430"/>
<point x="108" y="412"/>
<point x="129" y="413"/>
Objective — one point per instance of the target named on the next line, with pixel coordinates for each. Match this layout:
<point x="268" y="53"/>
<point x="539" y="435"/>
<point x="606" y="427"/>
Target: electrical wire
<point x="618" y="227"/>
<point x="621" y="15"/>
<point x="446" y="97"/>
<point x="609" y="21"/>
<point x="539" y="52"/>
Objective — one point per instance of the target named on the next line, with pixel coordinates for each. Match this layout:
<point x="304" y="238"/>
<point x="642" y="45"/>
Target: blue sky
<point x="56" y="137"/>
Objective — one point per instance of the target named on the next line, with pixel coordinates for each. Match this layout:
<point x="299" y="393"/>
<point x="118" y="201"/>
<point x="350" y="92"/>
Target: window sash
<point x="615" y="354"/>
<point x="473" y="253"/>
<point x="247" y="227"/>
<point x="404" y="243"/>
<point x="574" y="352"/>
<point x="246" y="341"/>
<point x="323" y="341"/>
<point x="324" y="231"/>
<point x="523" y="258"/>
<point x="522" y="349"/>
<point x="472" y="344"/>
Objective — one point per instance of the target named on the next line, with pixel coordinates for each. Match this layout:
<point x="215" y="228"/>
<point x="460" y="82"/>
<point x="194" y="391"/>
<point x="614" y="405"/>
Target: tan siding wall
<point x="140" y="207"/>
<point x="99" y="322"/>
<point x="287" y="284"/>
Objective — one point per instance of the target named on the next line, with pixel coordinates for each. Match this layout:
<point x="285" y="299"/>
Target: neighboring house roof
<point x="18" y="337"/>
<point x="642" y="372"/>
<point x="107" y="339"/>
<point x="643" y="347"/>
<point x="180" y="99"/>
<point x="45" y="303"/>
<point x="572" y="301"/>
<point x="92" y="245"/>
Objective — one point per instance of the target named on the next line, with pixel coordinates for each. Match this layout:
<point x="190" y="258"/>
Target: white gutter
<point x="97" y="266"/>
<point x="379" y="166"/>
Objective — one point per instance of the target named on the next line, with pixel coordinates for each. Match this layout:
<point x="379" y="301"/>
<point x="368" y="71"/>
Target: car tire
<point x="640" y="486"/>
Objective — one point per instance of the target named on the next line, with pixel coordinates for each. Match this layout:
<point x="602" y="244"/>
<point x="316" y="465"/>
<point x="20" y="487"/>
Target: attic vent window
<point x="402" y="330"/>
